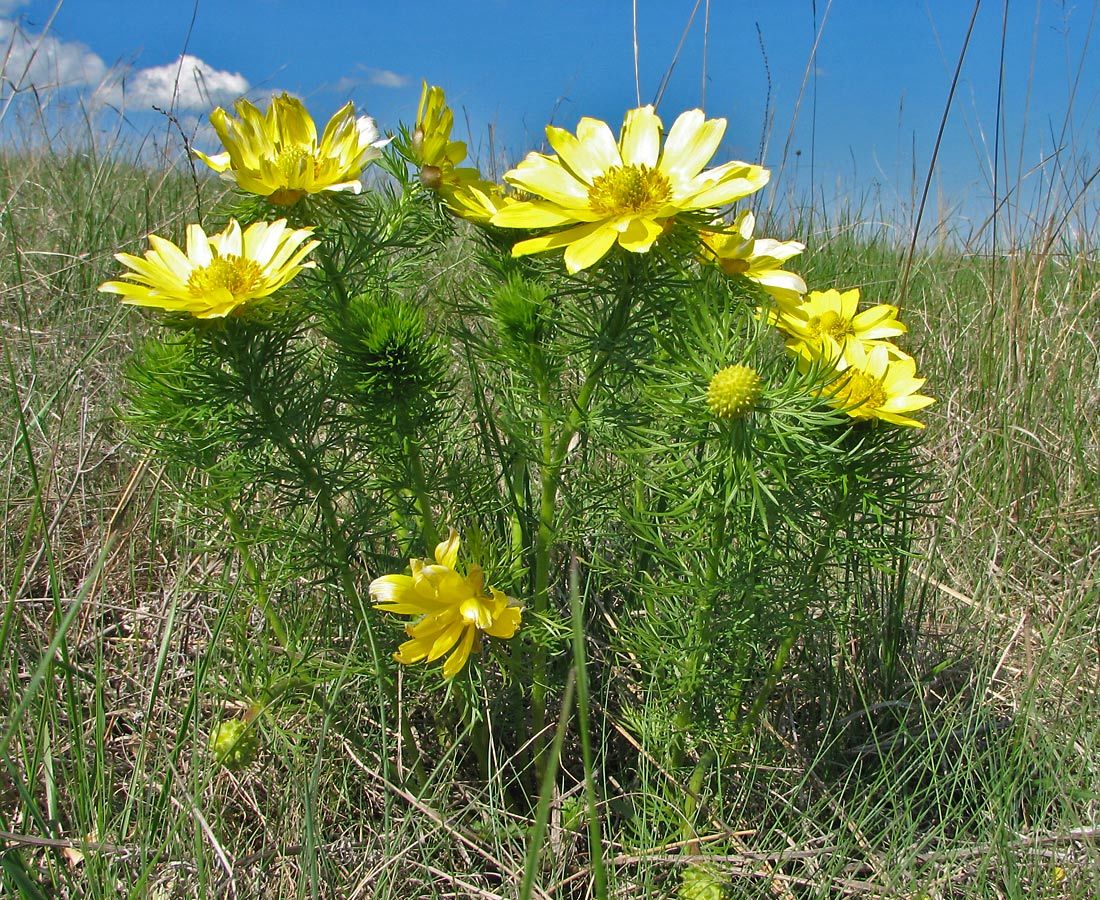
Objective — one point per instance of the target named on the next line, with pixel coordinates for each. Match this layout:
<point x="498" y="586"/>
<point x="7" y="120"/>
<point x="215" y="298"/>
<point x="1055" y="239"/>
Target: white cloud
<point x="375" y="77"/>
<point x="45" y="61"/>
<point x="187" y="83"/>
<point x="386" y="78"/>
<point x="346" y="84"/>
<point x="7" y="7"/>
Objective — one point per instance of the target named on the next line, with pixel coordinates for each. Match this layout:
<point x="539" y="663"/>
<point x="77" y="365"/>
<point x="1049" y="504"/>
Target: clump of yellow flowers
<point x="872" y="378"/>
<point x="595" y="194"/>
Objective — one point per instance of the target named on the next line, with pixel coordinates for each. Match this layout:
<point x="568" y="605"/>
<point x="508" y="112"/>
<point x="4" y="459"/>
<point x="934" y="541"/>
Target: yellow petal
<point x="446" y="552"/>
<point x="735" y="180"/>
<point x="390" y="588"/>
<point x="777" y="250"/>
<point x="413" y="651"/>
<point x="505" y="625"/>
<point x="575" y="155"/>
<point x="640" y="235"/>
<point x="558" y="239"/>
<point x="690" y="144"/>
<point x="784" y="286"/>
<point x="219" y="162"/>
<point x="849" y="303"/>
<point x="433" y="623"/>
<point x="546" y="177"/>
<point x="446" y="639"/>
<point x="458" y="659"/>
<point x="533" y="214"/>
<point x="588" y="249"/>
<point x="640" y="144"/>
<point x="600" y="142"/>
<point x="198" y="246"/>
<point x="745" y="225"/>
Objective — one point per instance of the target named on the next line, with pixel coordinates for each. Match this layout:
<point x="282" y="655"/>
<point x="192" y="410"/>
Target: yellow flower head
<point x="626" y="191"/>
<point x="431" y="138"/>
<point x="217" y="274"/>
<point x="827" y="323"/>
<point x="874" y="386"/>
<point x="733" y="391"/>
<point x="454" y="609"/>
<point x="277" y="154"/>
<point x="432" y="148"/>
<point x="760" y="260"/>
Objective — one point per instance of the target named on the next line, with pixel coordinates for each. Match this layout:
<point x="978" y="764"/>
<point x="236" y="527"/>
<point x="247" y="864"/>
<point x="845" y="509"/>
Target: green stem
<point x="595" y="843"/>
<point x="544" y="538"/>
<point x="698" y="636"/>
<point x="694" y="794"/>
<point x="546" y="794"/>
<point x="554" y="453"/>
<point x="419" y="485"/>
<point x="798" y="620"/>
<point x="251" y="567"/>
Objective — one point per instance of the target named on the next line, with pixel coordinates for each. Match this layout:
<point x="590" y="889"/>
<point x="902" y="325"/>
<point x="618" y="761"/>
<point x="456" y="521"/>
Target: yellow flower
<point x="827" y="323"/>
<point x="874" y="386"/>
<point x="627" y="191"/>
<point x="455" y="609"/>
<point x="463" y="190"/>
<point x="277" y="154"/>
<point x="218" y="273"/>
<point x="431" y="138"/>
<point x="760" y="260"/>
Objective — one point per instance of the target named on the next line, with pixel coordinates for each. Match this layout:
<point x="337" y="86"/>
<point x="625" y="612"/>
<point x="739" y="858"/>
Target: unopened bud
<point x="431" y="177"/>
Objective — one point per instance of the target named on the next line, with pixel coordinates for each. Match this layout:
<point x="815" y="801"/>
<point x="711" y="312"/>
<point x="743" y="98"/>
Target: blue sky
<point x="881" y="74"/>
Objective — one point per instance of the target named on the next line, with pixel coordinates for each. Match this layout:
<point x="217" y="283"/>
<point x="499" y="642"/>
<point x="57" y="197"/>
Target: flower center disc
<point x="865" y="391"/>
<point x="236" y="274"/>
<point x="294" y="161"/>
<point x="634" y="190"/>
<point x="832" y="323"/>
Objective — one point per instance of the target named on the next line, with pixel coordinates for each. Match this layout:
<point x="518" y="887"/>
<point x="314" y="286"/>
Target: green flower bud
<point x="519" y="309"/>
<point x="388" y="359"/>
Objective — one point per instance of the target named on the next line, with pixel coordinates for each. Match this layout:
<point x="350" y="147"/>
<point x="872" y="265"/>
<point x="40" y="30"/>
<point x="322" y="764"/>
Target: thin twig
<point x="676" y="55"/>
<point x="637" y="73"/>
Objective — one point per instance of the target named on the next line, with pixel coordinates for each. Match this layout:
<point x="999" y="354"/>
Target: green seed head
<point x="234" y="743"/>
<point x="733" y="391"/>
<point x="702" y="882"/>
